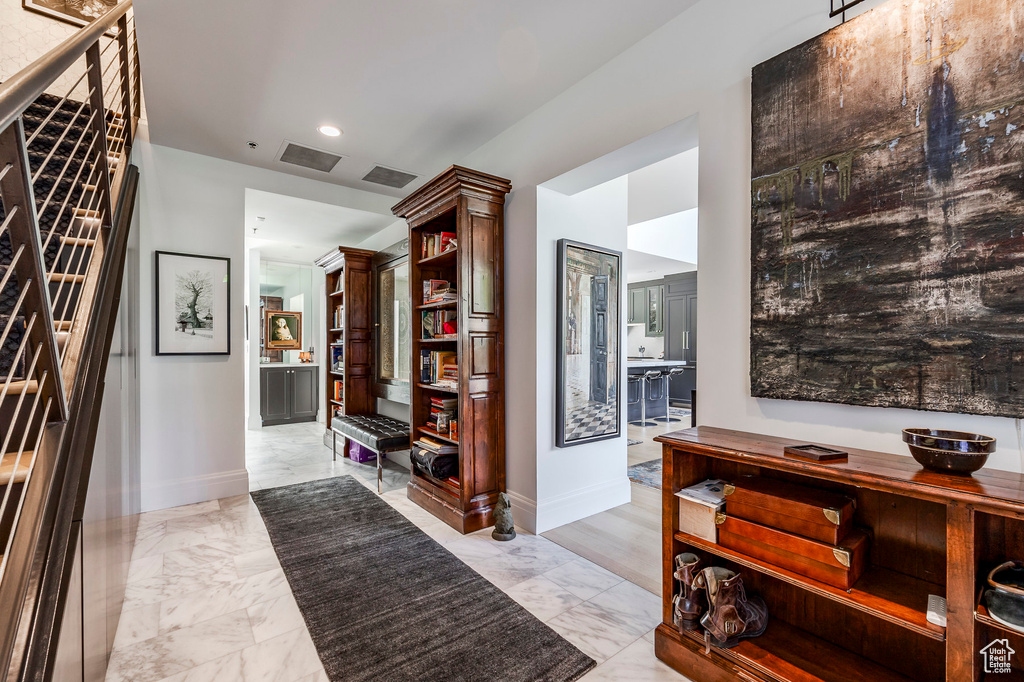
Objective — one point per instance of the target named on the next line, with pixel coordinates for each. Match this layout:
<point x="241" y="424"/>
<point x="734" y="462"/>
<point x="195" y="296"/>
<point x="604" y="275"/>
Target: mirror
<point x="393" y="339"/>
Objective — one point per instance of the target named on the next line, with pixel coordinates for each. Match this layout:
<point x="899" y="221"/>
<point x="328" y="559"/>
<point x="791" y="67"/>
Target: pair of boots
<point x="730" y="614"/>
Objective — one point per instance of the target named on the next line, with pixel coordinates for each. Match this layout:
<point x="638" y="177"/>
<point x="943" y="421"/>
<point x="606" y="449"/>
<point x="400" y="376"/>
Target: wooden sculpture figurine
<point x="503" y="529"/>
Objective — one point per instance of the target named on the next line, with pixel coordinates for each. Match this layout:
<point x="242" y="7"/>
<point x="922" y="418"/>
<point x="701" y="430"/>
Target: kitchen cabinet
<point x="637" y="296"/>
<point x="646" y="306"/>
<point x="681" y="330"/>
<point x="289" y="395"/>
<point x="654" y="319"/>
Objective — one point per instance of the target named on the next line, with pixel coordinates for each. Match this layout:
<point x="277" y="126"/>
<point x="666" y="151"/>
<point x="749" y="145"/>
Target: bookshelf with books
<point x="349" y="344"/>
<point x="456" y="257"/>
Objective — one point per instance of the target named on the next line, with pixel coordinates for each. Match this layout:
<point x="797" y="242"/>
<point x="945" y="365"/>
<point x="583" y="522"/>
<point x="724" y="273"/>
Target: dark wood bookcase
<point x="470" y="205"/>
<point x="350" y="287"/>
<point x="931" y="534"/>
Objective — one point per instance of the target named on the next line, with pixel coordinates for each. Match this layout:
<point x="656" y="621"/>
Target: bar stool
<point x="649" y="378"/>
<point x="633" y="388"/>
<point x="668" y="419"/>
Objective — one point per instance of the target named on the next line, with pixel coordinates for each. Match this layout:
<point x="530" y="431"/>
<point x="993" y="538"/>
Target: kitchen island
<point x="655" y="408"/>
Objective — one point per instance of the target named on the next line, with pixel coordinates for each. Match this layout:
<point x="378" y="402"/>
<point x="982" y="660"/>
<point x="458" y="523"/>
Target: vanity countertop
<point x="269" y="365"/>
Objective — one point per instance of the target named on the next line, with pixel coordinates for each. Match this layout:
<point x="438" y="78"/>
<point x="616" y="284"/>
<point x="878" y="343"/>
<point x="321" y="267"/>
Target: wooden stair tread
<point x="87" y="213"/>
<point x="17" y="387"/>
<point x="62" y="325"/>
<point x="65" y="277"/>
<point x="77" y="241"/>
<point x="9" y="474"/>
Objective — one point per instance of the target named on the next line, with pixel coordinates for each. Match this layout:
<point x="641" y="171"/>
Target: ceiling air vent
<point x="389" y="177"/>
<point x="307" y="157"/>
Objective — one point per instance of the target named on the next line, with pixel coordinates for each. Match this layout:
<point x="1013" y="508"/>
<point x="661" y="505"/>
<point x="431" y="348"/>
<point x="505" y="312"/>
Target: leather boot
<point x="686" y="605"/>
<point x="731" y="615"/>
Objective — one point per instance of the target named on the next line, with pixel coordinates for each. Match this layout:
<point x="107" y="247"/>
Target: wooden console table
<point x="931" y="534"/>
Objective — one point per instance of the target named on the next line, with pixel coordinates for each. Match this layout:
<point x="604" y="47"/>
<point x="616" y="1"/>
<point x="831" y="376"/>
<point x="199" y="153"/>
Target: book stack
<point x="440" y="324"/>
<point x="442" y="411"/>
<point x="428" y="443"/>
<point x="337" y="358"/>
<point x="436" y="243"/>
<point x="438" y="291"/>
<point x="339" y="390"/>
<point x="440" y="368"/>
<point x="339" y="317"/>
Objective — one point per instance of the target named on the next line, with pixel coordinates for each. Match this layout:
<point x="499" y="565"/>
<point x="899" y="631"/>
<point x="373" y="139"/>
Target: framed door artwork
<point x="589" y="334"/>
<point x="192" y="313"/>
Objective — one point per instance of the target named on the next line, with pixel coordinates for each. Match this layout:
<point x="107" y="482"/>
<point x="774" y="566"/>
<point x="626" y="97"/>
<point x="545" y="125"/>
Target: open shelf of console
<point x="931" y="534"/>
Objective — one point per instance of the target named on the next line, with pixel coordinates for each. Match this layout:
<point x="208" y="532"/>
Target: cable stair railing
<point x="67" y="195"/>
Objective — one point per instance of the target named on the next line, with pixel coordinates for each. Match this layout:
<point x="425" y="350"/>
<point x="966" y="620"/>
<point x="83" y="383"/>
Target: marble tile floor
<point x="207" y="599"/>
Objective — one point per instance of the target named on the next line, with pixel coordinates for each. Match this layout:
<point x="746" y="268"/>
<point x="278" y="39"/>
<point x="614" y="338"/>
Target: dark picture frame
<point x="293" y="319"/>
<point x="205" y="336"/>
<point x="61" y="10"/>
<point x="592" y="412"/>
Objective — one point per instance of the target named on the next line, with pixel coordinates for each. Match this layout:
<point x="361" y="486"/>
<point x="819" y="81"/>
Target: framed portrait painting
<point x="283" y="329"/>
<point x="589" y="339"/>
<point x="192" y="313"/>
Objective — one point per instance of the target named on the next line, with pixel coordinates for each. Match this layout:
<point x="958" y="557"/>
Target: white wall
<point x="654" y="346"/>
<point x="664" y="188"/>
<point x="671" y="236"/>
<point x="575" y="482"/>
<point x="648" y="87"/>
<point x="192" y="413"/>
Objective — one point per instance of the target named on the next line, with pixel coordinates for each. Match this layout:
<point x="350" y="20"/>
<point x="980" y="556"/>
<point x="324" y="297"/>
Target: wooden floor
<point x="625" y="540"/>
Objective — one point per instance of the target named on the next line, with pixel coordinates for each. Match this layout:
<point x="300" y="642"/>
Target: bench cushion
<point x="375" y="431"/>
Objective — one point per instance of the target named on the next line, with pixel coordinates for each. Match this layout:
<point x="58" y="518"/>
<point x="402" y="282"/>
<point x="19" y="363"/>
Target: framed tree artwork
<point x="282" y="330"/>
<point x="589" y="334"/>
<point x="192" y="313"/>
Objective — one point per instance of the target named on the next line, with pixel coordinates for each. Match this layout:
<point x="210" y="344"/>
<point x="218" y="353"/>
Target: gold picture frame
<point x="282" y="330"/>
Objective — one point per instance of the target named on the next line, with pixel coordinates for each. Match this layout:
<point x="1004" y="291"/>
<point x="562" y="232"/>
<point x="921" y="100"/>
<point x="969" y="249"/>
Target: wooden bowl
<point x="949" y="452"/>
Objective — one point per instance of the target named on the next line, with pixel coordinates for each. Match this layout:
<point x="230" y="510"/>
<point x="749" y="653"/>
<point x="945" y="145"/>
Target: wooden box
<point x="699" y="518"/>
<point x="839" y="566"/>
<point x="812" y="513"/>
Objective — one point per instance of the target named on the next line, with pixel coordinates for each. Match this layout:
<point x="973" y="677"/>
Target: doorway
<point x="659" y="307"/>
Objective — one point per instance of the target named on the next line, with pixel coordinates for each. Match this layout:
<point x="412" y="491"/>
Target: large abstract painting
<point x="888" y="212"/>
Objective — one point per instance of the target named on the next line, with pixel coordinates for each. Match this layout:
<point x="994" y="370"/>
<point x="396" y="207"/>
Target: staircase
<point x="67" y="195"/>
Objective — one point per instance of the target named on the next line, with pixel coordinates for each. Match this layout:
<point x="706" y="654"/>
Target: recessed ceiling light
<point x="329" y="131"/>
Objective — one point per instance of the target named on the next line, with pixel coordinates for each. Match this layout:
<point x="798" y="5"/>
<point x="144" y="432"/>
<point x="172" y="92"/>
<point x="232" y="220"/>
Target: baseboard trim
<point x="178" y="492"/>
<point x="579" y="504"/>
<point x="524" y="512"/>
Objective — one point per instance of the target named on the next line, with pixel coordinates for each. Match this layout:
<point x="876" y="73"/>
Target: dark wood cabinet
<point x="471" y="206"/>
<point x="289" y="395"/>
<point x="930" y="533"/>
<point x="349" y="303"/>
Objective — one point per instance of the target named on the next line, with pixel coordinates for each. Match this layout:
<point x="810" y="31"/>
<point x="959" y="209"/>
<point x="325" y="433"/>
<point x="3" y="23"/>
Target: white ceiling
<point x="414" y="84"/>
<point x="300" y="230"/>
<point x="642" y="266"/>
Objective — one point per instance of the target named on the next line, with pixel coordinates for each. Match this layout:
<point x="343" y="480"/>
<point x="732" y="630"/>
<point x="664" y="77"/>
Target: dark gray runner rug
<point x="383" y="601"/>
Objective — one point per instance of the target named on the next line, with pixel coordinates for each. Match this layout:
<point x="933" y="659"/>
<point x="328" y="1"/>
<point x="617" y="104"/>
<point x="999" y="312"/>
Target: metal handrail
<point x="19" y="91"/>
<point x="73" y="297"/>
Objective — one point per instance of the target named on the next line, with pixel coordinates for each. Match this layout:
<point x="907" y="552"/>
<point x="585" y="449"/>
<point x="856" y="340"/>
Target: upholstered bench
<point x="375" y="432"/>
